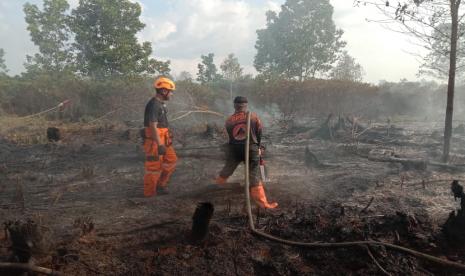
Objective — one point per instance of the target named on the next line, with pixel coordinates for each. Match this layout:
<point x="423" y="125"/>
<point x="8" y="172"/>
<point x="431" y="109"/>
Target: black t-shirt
<point x="155" y="112"/>
<point x="236" y="126"/>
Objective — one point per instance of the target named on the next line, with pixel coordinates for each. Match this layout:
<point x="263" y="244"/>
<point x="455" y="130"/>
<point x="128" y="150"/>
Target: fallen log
<point x="447" y="166"/>
<point x="416" y="164"/>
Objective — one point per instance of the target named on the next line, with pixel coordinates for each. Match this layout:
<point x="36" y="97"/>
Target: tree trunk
<point x="230" y="90"/>
<point x="454" y="7"/>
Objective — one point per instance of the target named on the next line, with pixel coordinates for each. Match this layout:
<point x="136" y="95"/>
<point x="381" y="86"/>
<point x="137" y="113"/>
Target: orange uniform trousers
<point x="158" y="168"/>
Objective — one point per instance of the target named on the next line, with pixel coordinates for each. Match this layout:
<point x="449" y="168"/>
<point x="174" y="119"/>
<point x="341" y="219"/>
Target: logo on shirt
<point x="240" y="132"/>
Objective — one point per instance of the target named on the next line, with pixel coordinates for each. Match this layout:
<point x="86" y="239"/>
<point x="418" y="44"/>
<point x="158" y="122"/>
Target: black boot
<point x="162" y="190"/>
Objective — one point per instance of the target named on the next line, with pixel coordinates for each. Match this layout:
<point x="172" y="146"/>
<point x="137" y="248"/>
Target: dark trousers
<point x="235" y="154"/>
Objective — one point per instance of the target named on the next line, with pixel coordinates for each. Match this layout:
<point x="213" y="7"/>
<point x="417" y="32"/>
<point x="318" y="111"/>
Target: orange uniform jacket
<point x="158" y="168"/>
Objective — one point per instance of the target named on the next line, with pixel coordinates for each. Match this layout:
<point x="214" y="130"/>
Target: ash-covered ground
<point x="334" y="180"/>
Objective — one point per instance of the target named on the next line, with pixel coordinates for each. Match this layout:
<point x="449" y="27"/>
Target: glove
<point x="161" y="149"/>
<point x="261" y="149"/>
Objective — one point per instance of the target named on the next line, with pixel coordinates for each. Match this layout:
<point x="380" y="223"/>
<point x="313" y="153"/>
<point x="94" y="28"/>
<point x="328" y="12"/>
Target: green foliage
<point x="106" y="43"/>
<point x="194" y="94"/>
<point x="300" y="42"/>
<point x="3" y="68"/>
<point x="290" y="100"/>
<point x="110" y="68"/>
<point x="231" y="68"/>
<point x="207" y="70"/>
<point x="157" y="67"/>
<point x="49" y="30"/>
<point x="347" y="69"/>
<point x="232" y="71"/>
<point x="88" y="98"/>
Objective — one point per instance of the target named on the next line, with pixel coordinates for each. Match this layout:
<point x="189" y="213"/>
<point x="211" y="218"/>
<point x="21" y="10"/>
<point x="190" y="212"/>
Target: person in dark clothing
<point x="236" y="127"/>
<point x="160" y="157"/>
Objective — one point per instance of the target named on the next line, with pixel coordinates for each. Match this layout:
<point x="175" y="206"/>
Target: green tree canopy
<point x="106" y="43"/>
<point x="347" y="69"/>
<point x="3" y="68"/>
<point x="207" y="69"/>
<point x="231" y="71"/>
<point x="49" y="30"/>
<point x="231" y="68"/>
<point x="299" y="42"/>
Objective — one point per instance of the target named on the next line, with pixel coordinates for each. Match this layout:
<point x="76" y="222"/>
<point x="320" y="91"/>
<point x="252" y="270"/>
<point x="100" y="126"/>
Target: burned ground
<point x="381" y="182"/>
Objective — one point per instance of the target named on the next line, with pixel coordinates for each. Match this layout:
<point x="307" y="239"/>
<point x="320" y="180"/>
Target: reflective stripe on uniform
<point x="168" y="165"/>
<point x="151" y="172"/>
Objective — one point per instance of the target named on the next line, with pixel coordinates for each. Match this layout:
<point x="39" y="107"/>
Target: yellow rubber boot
<point x="221" y="180"/>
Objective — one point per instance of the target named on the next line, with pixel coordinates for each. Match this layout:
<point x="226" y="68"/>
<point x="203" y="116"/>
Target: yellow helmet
<point x="163" y="82"/>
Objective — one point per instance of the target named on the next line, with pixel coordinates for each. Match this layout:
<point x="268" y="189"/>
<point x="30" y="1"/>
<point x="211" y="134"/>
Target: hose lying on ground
<point x="412" y="252"/>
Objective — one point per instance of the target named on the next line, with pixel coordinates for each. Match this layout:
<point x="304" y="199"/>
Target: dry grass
<point x="22" y="130"/>
<point x="28" y="131"/>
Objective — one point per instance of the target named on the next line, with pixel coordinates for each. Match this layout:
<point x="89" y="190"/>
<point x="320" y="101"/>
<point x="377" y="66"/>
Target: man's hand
<point x="161" y="149"/>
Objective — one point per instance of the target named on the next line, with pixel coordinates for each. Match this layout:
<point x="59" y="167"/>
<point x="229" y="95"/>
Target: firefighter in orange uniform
<point x="160" y="157"/>
<point x="236" y="127"/>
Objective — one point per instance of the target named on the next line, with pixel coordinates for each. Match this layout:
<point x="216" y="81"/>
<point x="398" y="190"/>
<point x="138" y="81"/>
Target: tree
<point x="184" y="76"/>
<point x="424" y="19"/>
<point x="157" y="66"/>
<point x="347" y="69"/>
<point x="3" y="68"/>
<point x="231" y="70"/>
<point x="105" y="39"/>
<point x="207" y="69"/>
<point x="299" y="42"/>
<point x="49" y="30"/>
<point x="436" y="62"/>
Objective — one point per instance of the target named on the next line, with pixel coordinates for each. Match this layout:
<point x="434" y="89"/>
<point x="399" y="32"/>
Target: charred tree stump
<point x="310" y="159"/>
<point x="337" y="128"/>
<point x="209" y="131"/>
<point x="325" y="130"/>
<point x="131" y="134"/>
<point x="454" y="227"/>
<point x="201" y="221"/>
<point x="53" y="134"/>
<point x="25" y="239"/>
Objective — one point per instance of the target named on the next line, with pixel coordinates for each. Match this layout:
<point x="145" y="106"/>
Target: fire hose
<point x="391" y="246"/>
